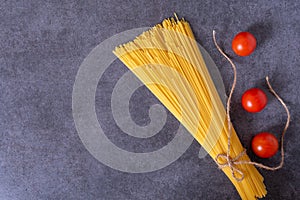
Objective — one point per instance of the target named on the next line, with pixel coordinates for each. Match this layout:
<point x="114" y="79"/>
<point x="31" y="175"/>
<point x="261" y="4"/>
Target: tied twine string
<point x="233" y="162"/>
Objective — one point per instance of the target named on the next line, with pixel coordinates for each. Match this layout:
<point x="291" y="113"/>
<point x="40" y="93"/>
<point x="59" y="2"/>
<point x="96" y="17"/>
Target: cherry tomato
<point x="243" y="44"/>
<point x="254" y="100"/>
<point x="264" y="145"/>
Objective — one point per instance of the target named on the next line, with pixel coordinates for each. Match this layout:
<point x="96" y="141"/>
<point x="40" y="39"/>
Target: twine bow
<point x="232" y="162"/>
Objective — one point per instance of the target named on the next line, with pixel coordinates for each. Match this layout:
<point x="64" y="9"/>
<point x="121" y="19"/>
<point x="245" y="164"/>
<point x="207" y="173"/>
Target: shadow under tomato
<point x="262" y="31"/>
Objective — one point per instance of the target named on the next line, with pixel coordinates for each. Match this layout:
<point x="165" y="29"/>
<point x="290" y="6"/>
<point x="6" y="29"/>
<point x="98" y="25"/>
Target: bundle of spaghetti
<point x="168" y="61"/>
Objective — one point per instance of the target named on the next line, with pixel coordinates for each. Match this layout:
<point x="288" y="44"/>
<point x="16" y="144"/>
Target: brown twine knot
<point x="232" y="162"/>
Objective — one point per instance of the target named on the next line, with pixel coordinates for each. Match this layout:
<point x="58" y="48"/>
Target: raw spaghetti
<point x="167" y="59"/>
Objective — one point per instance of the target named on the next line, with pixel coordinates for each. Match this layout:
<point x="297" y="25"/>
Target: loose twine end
<point x="232" y="163"/>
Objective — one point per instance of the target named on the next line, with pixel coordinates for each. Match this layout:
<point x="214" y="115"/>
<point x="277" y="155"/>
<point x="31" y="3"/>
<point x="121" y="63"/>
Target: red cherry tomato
<point x="264" y="145"/>
<point x="243" y="44"/>
<point x="254" y="100"/>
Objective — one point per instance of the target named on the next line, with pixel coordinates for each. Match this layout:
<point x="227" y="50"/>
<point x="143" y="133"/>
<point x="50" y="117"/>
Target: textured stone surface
<point x="43" y="43"/>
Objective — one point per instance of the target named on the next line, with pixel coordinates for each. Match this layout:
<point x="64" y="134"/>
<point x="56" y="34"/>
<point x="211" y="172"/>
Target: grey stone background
<point x="43" y="43"/>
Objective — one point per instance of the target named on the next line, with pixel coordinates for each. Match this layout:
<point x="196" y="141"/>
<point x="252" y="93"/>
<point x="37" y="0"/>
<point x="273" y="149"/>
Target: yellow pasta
<point x="169" y="62"/>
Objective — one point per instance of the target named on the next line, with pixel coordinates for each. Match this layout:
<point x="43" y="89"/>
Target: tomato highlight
<point x="264" y="145"/>
<point x="254" y="100"/>
<point x="243" y="44"/>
